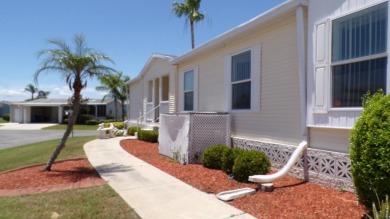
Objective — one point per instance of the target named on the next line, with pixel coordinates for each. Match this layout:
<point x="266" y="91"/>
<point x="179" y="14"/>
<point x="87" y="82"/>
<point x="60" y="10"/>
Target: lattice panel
<point x="207" y="130"/>
<point x="324" y="167"/>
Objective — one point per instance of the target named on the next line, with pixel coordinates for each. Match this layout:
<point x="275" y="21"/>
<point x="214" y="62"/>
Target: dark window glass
<point x="352" y="81"/>
<point x="241" y="95"/>
<point x="241" y="66"/>
<point x="189" y="101"/>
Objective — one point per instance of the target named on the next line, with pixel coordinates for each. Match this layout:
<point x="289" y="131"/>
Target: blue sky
<point x="128" y="31"/>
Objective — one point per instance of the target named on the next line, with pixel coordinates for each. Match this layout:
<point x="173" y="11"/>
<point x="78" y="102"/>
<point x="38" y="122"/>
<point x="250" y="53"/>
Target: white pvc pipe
<point x="296" y="155"/>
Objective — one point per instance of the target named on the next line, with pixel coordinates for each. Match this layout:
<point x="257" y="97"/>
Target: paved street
<point x="11" y="138"/>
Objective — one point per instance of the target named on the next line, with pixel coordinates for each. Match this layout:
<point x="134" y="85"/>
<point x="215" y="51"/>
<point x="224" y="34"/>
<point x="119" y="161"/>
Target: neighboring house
<point x="55" y="110"/>
<point x="296" y="72"/>
<point x="4" y="108"/>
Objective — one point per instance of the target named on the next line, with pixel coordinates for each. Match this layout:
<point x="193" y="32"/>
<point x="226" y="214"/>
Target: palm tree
<point x="189" y="9"/>
<point x="116" y="87"/>
<point x="75" y="65"/>
<point x="32" y="89"/>
<point x="43" y="94"/>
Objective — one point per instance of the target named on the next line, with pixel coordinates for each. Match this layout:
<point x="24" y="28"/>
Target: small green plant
<point x="370" y="149"/>
<point x="148" y="136"/>
<point x="228" y="159"/>
<point x="383" y="212"/>
<point x="132" y="130"/>
<point x="212" y="156"/>
<point x="6" y="117"/>
<point x="250" y="163"/>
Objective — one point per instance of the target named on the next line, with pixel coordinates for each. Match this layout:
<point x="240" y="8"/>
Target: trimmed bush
<point x="83" y="118"/>
<point x="132" y="130"/>
<point x="250" y="163"/>
<point x="6" y="117"/>
<point x="228" y="159"/>
<point x="92" y="122"/>
<point x="370" y="150"/>
<point x="119" y="132"/>
<point x="212" y="156"/>
<point x="148" y="136"/>
<point x="118" y="125"/>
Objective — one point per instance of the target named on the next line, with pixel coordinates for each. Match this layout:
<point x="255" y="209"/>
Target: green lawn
<point x="36" y="153"/>
<point x="98" y="202"/>
<point x="2" y="120"/>
<point x="75" y="127"/>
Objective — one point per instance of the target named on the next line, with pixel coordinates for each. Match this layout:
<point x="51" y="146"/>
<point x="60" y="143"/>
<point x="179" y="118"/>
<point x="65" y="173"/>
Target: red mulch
<point x="292" y="198"/>
<point x="63" y="172"/>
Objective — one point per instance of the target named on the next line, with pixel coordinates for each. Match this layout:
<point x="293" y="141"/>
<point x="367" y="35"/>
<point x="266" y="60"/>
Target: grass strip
<point x="97" y="202"/>
<point x="40" y="152"/>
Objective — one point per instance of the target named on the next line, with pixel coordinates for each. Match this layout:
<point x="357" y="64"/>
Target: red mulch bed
<point x="63" y="172"/>
<point x="292" y="198"/>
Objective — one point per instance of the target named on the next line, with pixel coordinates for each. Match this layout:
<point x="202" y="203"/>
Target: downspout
<point x="302" y="81"/>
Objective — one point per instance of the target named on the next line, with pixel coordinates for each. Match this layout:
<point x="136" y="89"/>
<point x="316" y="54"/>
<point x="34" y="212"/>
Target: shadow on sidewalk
<point x="113" y="168"/>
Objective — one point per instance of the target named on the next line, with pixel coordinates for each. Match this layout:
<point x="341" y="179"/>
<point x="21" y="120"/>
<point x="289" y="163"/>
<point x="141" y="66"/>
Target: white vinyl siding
<point x="321" y="111"/>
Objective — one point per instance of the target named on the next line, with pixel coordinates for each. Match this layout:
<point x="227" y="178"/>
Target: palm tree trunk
<point x="69" y="128"/>
<point x="116" y="108"/>
<point x="192" y="34"/>
<point x="123" y="110"/>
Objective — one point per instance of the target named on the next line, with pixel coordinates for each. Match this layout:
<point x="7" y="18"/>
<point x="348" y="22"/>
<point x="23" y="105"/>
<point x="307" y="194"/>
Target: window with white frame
<point x="359" y="55"/>
<point x="188" y="89"/>
<point x="241" y="81"/>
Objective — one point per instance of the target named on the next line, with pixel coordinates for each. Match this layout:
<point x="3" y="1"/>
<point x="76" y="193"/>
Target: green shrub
<point x="92" y="122"/>
<point x="250" y="163"/>
<point x="132" y="130"/>
<point x="83" y="118"/>
<point x="6" y="117"/>
<point x="212" y="156"/>
<point x="118" y="125"/>
<point x="228" y="159"/>
<point x="148" y="136"/>
<point x="370" y="150"/>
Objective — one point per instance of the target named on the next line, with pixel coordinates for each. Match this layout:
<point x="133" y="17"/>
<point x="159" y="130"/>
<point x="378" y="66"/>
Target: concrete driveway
<point x="12" y="135"/>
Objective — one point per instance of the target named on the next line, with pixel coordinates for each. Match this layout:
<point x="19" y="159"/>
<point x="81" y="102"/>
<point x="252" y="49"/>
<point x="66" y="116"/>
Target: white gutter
<point x="220" y="40"/>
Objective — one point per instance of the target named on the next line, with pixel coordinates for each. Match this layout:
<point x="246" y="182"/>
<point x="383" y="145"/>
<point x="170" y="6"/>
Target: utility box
<point x="184" y="136"/>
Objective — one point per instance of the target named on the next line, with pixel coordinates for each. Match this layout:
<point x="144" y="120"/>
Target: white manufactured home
<point x="294" y="73"/>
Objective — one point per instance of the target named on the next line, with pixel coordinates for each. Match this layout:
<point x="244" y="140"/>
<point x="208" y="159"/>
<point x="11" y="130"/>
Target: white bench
<point x="102" y="131"/>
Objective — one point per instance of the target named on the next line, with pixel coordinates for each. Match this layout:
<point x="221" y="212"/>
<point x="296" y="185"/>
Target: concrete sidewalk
<point x="151" y="192"/>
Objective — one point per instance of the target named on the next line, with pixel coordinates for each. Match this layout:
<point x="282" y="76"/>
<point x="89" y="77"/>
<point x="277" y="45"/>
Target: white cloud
<point x="14" y="94"/>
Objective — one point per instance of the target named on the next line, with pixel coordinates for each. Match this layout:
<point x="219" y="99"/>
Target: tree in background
<point x="75" y="65"/>
<point x="32" y="89"/>
<point x="115" y="85"/>
<point x="190" y="10"/>
<point x="43" y="94"/>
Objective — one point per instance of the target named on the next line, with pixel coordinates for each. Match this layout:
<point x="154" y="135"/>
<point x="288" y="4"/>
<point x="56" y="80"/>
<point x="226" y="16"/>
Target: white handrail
<point x="152" y="110"/>
<point x="273" y="177"/>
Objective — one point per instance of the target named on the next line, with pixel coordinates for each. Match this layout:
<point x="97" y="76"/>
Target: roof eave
<point x="147" y="65"/>
<point x="220" y="40"/>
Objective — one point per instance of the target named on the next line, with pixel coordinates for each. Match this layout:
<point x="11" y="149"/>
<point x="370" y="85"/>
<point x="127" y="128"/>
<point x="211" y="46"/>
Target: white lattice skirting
<point x="327" y="168"/>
